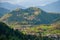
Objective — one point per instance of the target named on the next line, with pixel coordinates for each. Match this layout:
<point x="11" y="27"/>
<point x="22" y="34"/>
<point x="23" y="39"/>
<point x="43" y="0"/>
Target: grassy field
<point x="35" y="30"/>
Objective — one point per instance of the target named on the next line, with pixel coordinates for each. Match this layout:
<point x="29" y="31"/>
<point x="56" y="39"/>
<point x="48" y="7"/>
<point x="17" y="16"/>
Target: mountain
<point x="3" y="11"/>
<point x="29" y="16"/>
<point x="53" y="7"/>
<point x="9" y="6"/>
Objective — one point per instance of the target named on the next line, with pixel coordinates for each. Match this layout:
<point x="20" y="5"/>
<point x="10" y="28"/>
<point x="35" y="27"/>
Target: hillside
<point x="6" y="33"/>
<point x="29" y="16"/>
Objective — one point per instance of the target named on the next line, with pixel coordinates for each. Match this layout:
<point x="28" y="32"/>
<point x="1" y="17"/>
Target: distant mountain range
<point x="53" y="7"/>
<point x="30" y="16"/>
<point x="9" y="6"/>
<point x="3" y="11"/>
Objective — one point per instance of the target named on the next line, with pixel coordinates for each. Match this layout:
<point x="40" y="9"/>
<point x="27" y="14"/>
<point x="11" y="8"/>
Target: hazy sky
<point x="30" y="2"/>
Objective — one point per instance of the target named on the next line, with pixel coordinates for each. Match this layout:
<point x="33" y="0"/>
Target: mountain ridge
<point x="31" y="16"/>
